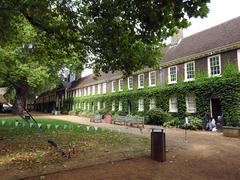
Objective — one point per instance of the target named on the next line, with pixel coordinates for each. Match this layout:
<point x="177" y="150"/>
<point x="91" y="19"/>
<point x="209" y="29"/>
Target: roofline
<point x="195" y="56"/>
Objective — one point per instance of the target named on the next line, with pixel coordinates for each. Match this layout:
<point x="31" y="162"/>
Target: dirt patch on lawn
<point x="206" y="155"/>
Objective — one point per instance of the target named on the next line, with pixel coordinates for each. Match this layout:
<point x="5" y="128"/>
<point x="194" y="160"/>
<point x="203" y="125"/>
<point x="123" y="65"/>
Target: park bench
<point x="128" y="120"/>
<point x="96" y="118"/>
<point x="116" y="119"/>
<point x="135" y="121"/>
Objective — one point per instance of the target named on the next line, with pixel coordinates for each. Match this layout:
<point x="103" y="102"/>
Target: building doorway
<point x="215" y="105"/>
<point x="129" y="107"/>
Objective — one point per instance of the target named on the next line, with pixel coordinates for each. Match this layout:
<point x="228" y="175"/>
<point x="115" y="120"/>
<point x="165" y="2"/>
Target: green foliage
<point x="173" y="122"/>
<point x="227" y="88"/>
<point x="194" y="123"/>
<point x="157" y="116"/>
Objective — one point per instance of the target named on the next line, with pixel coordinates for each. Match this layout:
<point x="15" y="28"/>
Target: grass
<point x="23" y="147"/>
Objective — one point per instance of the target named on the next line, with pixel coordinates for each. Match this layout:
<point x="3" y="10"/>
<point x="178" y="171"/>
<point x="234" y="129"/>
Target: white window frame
<point x="113" y="86"/>
<point x="113" y="106"/>
<point x="104" y="104"/>
<point x="191" y="97"/>
<point x="150" y="80"/>
<point x="171" y="107"/>
<point x="169" y="77"/>
<point x="104" y="88"/>
<point x="152" y="103"/>
<point x="238" y="59"/>
<point x="120" y="106"/>
<point x="99" y="88"/>
<point x="98" y="105"/>
<point x="209" y="68"/>
<point x="140" y="104"/>
<point x="93" y="90"/>
<point x="139" y="81"/>
<point x="120" y="85"/>
<point x="80" y="92"/>
<point x="130" y="88"/>
<point x="185" y="71"/>
<point x="84" y="91"/>
<point x="89" y="90"/>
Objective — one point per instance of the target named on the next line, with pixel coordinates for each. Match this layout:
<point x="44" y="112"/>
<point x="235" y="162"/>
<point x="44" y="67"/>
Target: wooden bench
<point x="128" y="120"/>
<point x="135" y="121"/>
<point x="116" y="119"/>
<point x="96" y="118"/>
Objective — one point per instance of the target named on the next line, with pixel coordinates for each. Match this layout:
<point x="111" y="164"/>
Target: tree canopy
<point x="39" y="38"/>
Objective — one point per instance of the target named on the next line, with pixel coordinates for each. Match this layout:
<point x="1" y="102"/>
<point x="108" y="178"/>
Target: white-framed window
<point x="93" y="90"/>
<point x="84" y="91"/>
<point x="80" y="92"/>
<point x="173" y="104"/>
<point x="141" y="81"/>
<point x="238" y="59"/>
<point x="104" y="105"/>
<point x="214" y="65"/>
<point x="99" y="88"/>
<point x="172" y="74"/>
<point x="120" y="106"/>
<point x="191" y="103"/>
<point x="130" y="82"/>
<point x="89" y="90"/>
<point x="88" y="106"/>
<point x="120" y="85"/>
<point x="104" y="88"/>
<point x="113" y="105"/>
<point x="189" y="71"/>
<point x="98" y="105"/>
<point x="152" y="78"/>
<point x="113" y="86"/>
<point x="140" y="104"/>
<point x="152" y="103"/>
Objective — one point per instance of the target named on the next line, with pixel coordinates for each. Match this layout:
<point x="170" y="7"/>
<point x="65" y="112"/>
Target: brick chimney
<point x="175" y="39"/>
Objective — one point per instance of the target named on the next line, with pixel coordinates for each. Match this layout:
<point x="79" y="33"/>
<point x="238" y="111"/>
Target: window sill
<point x="140" y="87"/>
<point x="173" y="82"/>
<point x="187" y="80"/>
<point x="173" y="111"/>
<point x="154" y="85"/>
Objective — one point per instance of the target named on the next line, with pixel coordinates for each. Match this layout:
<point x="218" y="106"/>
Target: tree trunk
<point x="20" y="99"/>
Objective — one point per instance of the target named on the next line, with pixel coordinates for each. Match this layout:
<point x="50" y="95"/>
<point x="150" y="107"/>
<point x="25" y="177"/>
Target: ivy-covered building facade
<point x="199" y="74"/>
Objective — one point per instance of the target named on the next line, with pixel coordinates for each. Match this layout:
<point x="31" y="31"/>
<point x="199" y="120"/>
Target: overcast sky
<point x="220" y="11"/>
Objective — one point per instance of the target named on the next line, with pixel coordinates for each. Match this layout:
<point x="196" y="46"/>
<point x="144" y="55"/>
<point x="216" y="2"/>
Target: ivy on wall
<point x="226" y="88"/>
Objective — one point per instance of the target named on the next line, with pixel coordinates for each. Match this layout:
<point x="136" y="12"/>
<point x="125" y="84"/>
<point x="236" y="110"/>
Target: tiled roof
<point x="217" y="36"/>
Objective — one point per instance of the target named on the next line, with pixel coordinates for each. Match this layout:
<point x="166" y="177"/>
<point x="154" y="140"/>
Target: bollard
<point x="158" y="145"/>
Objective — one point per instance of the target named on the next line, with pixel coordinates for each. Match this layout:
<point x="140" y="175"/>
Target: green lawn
<point x="23" y="147"/>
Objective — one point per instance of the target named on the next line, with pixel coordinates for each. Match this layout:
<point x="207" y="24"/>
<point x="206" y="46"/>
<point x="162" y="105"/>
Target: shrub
<point x="194" y="123"/>
<point x="103" y="112"/>
<point x="173" y="122"/>
<point x="157" y="116"/>
<point x="122" y="113"/>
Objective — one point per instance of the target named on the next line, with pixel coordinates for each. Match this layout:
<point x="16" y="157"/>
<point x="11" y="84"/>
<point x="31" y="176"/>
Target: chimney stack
<point x="175" y="39"/>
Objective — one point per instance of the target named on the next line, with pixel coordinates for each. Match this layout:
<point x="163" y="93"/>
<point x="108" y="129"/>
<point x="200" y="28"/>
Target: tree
<point x="38" y="38"/>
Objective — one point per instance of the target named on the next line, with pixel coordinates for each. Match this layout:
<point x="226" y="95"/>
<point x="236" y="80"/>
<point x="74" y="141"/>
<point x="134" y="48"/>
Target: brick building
<point x="206" y="52"/>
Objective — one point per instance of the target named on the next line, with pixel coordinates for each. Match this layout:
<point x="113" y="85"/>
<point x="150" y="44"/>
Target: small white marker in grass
<point x="88" y="128"/>
<point x="56" y="126"/>
<point x="39" y="125"/>
<point x="65" y="126"/>
<point x="48" y="126"/>
<point x="16" y="124"/>
<point x="96" y="128"/>
<point x="3" y="123"/>
<point x="31" y="124"/>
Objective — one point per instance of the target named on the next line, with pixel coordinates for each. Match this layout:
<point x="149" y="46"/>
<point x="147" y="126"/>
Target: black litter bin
<point x="158" y="145"/>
